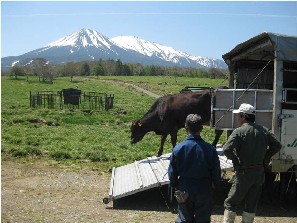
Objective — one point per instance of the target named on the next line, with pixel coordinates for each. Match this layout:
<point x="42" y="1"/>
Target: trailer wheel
<point x="106" y="200"/>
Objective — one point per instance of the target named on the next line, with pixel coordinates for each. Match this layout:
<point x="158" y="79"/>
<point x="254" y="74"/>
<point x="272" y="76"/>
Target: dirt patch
<point x="42" y="122"/>
<point x="46" y="191"/>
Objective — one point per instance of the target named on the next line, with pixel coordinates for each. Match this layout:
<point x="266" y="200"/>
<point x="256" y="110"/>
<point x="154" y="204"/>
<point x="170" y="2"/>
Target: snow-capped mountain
<point x="85" y="38"/>
<point x="148" y="48"/>
<point x="166" y="53"/>
<point x="88" y="44"/>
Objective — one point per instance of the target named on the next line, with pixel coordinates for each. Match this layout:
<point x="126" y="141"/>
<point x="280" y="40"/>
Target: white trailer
<point x="263" y="72"/>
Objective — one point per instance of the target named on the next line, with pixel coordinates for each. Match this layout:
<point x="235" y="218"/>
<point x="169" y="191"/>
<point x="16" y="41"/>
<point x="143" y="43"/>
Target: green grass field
<point x="101" y="136"/>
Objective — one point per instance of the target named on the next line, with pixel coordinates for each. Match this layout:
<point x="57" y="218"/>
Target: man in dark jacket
<point x="194" y="168"/>
<point x="249" y="147"/>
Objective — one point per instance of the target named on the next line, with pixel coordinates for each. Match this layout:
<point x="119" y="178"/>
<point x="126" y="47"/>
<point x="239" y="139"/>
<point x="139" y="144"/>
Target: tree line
<point x="47" y="72"/>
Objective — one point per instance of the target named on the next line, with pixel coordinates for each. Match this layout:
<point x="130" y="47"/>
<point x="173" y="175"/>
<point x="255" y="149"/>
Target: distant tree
<point x="41" y="68"/>
<point x="160" y="71"/>
<point x="28" y="71"/>
<point x="85" y="69"/>
<point x="216" y="73"/>
<point x="17" y="71"/>
<point x="119" y="68"/>
<point x="126" y="70"/>
<point x="49" y="73"/>
<point x="98" y="70"/>
<point x="71" y="70"/>
<point x="202" y="73"/>
<point x="136" y="69"/>
<point x="150" y="70"/>
<point x="60" y="71"/>
<point x="110" y="67"/>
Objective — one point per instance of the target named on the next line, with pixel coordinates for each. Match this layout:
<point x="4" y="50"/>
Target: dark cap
<point x="193" y="123"/>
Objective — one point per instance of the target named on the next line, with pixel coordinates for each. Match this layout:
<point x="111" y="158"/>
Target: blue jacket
<point x="194" y="166"/>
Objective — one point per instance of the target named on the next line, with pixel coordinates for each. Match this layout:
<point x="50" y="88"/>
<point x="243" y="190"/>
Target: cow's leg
<point x="218" y="134"/>
<point x="173" y="139"/>
<point x="163" y="139"/>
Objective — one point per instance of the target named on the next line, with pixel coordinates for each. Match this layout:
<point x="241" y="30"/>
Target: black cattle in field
<point x="168" y="114"/>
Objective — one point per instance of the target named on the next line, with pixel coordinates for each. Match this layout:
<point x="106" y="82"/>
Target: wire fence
<point x="71" y="99"/>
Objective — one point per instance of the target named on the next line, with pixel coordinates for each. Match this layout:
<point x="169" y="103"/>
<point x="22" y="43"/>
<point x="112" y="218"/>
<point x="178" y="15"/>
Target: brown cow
<point x="168" y="114"/>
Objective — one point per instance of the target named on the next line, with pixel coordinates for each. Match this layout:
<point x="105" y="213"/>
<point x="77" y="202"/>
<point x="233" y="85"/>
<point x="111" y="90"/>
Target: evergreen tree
<point x="98" y="70"/>
<point x="85" y="69"/>
<point x="126" y="70"/>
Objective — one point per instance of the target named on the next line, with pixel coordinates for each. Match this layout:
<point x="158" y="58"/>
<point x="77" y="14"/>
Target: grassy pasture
<point x="102" y="137"/>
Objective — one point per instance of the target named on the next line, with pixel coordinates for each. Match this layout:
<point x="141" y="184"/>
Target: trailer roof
<point x="264" y="47"/>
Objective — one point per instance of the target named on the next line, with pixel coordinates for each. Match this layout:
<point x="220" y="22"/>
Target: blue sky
<point x="200" y="28"/>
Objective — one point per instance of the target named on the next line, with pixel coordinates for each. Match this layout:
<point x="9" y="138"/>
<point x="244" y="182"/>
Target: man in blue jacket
<point x="194" y="169"/>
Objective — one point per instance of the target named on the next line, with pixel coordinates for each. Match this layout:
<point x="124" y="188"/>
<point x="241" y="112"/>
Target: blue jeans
<point x="195" y="210"/>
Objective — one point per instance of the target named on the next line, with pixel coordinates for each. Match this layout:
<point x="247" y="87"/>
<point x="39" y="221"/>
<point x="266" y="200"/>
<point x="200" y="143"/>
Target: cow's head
<point x="137" y="131"/>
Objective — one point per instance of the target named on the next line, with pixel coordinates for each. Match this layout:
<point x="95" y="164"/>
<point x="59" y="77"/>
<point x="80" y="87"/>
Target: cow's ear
<point x="139" y="124"/>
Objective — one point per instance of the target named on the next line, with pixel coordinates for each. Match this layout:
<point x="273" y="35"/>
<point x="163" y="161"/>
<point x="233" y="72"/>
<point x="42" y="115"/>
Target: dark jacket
<point x="251" y="145"/>
<point x="194" y="166"/>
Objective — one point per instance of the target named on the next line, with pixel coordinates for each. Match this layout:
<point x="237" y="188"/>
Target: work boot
<point x="248" y="217"/>
<point x="229" y="216"/>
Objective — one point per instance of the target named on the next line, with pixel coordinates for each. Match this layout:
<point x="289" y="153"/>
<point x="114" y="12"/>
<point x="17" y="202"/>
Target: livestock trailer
<point x="263" y="72"/>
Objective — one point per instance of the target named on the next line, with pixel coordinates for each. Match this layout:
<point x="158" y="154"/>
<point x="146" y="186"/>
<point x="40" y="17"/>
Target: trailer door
<point x="289" y="135"/>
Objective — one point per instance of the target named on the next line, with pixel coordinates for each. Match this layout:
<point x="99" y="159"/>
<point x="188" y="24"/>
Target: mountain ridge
<point x="88" y="44"/>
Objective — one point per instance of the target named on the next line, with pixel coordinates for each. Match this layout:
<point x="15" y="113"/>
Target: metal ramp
<point x="145" y="174"/>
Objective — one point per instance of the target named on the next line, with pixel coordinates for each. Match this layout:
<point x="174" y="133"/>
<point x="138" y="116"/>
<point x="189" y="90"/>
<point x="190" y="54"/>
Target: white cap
<point x="245" y="108"/>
